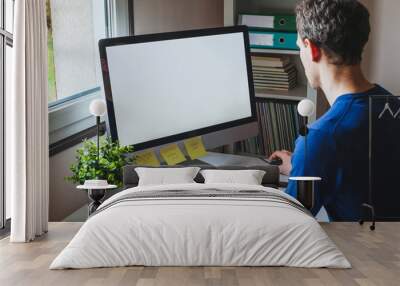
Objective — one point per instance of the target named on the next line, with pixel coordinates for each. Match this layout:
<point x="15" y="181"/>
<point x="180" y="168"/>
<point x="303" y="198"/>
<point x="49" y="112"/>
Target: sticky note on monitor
<point x="195" y="147"/>
<point x="148" y="158"/>
<point x="172" y="154"/>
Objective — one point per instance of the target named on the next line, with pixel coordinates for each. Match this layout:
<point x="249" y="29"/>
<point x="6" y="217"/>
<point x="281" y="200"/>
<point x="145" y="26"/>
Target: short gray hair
<point x="340" y="27"/>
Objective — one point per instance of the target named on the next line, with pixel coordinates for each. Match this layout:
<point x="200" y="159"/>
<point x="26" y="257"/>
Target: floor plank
<point x="375" y="257"/>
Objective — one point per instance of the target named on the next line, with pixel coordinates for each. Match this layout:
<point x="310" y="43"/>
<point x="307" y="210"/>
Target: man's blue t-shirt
<point x="337" y="151"/>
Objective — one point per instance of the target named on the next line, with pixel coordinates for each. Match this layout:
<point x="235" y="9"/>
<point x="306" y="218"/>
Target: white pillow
<point x="166" y="176"/>
<point x="244" y="177"/>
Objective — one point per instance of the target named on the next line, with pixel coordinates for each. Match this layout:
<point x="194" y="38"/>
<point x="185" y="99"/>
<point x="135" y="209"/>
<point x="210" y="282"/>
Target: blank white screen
<point x="169" y="87"/>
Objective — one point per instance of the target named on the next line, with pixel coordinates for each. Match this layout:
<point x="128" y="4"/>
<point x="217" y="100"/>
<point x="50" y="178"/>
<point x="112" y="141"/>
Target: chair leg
<point x="372" y="210"/>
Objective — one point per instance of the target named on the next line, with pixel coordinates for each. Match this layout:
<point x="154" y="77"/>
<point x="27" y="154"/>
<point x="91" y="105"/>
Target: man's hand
<point x="286" y="158"/>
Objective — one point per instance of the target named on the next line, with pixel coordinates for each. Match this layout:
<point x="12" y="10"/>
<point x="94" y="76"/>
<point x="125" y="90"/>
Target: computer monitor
<point x="163" y="88"/>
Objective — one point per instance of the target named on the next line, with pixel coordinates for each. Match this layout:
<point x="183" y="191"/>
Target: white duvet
<point x="200" y="232"/>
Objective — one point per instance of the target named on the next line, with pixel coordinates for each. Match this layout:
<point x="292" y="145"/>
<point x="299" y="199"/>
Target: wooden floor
<point x="375" y="257"/>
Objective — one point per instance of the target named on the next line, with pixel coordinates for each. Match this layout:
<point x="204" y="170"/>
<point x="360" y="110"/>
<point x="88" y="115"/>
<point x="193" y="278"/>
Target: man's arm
<point x="320" y="162"/>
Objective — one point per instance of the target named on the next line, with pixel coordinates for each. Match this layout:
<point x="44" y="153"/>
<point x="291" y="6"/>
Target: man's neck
<point x="339" y="80"/>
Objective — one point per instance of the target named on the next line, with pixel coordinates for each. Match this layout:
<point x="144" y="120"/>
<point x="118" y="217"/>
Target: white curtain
<point x="27" y="121"/>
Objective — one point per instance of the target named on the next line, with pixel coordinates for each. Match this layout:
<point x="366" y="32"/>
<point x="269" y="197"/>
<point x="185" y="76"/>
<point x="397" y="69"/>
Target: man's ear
<point x="316" y="52"/>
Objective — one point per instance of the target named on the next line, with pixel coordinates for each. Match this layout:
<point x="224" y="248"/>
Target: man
<point x="332" y="36"/>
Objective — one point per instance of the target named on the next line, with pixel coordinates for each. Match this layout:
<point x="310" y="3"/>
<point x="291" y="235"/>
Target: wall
<point x="382" y="56"/>
<point x="64" y="199"/>
<point x="155" y="16"/>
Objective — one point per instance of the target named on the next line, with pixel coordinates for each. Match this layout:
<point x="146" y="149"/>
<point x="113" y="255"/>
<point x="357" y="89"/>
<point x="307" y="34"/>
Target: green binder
<point x="273" y="40"/>
<point x="269" y="22"/>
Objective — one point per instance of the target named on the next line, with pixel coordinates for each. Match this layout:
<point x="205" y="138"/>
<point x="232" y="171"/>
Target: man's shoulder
<point x="318" y="138"/>
<point x="349" y="112"/>
<point x="379" y="90"/>
<point x="326" y="125"/>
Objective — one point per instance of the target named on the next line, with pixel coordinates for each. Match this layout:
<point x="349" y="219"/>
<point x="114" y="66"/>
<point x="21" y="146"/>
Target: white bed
<point x="201" y="231"/>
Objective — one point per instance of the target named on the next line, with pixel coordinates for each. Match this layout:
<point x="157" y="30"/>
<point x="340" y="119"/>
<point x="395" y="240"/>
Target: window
<point x="9" y="16"/>
<point x="74" y="29"/>
<point x="6" y="43"/>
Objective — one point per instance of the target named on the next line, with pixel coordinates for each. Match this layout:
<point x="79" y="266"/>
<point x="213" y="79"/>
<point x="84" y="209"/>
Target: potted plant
<point x="111" y="160"/>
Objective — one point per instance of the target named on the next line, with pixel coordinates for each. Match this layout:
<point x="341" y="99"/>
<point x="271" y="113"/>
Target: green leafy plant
<point x="112" y="158"/>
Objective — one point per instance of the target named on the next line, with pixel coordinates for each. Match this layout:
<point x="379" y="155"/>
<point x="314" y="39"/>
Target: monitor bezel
<point x="105" y="43"/>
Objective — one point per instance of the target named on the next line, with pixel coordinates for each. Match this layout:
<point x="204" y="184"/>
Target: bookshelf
<point x="296" y="94"/>
<point x="273" y="51"/>
<point x="232" y="8"/>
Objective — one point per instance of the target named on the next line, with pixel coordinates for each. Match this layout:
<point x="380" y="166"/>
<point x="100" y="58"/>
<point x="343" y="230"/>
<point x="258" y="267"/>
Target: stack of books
<point x="273" y="73"/>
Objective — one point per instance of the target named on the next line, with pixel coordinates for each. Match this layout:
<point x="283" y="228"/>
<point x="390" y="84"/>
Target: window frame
<point x="6" y="39"/>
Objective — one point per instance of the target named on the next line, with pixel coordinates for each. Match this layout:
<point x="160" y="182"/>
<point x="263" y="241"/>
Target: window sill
<point x="75" y="139"/>
<point x="70" y="121"/>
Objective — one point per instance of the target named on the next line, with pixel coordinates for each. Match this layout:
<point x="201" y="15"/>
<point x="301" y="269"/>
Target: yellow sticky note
<point x="195" y="147"/>
<point x="147" y="158"/>
<point x="172" y="154"/>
